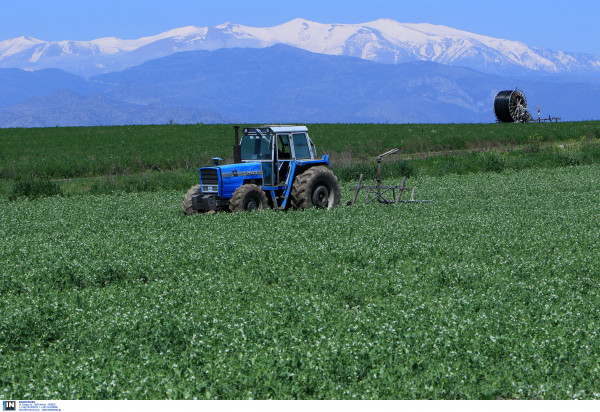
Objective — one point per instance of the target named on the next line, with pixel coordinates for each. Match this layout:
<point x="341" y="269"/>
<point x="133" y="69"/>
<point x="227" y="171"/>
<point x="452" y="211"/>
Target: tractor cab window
<point x="301" y="146"/>
<point x="283" y="146"/>
<point x="256" y="147"/>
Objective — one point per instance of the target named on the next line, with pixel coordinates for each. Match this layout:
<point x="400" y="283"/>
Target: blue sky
<point x="563" y="25"/>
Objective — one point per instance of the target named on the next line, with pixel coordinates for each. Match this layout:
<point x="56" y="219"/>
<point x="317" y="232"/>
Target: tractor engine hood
<point x="233" y="176"/>
<point x="248" y="170"/>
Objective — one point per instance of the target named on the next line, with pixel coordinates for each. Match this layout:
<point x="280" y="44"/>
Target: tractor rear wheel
<point x="317" y="187"/>
<point x="248" y="198"/>
<point x="188" y="208"/>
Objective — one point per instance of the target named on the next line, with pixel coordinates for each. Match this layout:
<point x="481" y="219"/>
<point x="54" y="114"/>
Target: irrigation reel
<point x="510" y="106"/>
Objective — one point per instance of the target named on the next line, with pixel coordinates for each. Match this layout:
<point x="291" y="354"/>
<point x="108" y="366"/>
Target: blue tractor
<point x="274" y="167"/>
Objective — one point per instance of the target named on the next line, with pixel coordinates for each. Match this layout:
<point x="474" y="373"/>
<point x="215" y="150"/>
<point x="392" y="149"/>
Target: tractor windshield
<point x="256" y="147"/>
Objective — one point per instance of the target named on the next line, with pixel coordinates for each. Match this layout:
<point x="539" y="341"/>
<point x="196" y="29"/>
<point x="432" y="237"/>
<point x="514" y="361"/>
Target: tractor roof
<point x="275" y="129"/>
<point x="283" y="128"/>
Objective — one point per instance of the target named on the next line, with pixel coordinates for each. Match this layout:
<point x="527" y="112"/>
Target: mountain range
<point x="300" y="71"/>
<point x="383" y="41"/>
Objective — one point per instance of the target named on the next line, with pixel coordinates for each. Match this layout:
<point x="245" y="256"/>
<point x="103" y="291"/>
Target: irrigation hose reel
<point x="510" y="106"/>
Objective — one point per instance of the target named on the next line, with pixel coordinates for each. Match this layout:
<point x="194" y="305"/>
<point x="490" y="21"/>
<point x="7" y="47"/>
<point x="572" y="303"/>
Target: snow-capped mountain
<point x="210" y="86"/>
<point x="384" y="41"/>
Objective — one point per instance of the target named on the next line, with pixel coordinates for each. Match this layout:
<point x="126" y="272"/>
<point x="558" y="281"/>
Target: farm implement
<point x="379" y="191"/>
<point x="277" y="167"/>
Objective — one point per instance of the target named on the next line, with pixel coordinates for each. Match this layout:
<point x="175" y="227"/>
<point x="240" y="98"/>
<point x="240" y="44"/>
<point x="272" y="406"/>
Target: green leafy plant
<point x="35" y="188"/>
<point x="492" y="161"/>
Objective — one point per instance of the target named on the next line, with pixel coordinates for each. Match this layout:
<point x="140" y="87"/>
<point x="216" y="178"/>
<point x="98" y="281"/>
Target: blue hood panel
<point x="233" y="176"/>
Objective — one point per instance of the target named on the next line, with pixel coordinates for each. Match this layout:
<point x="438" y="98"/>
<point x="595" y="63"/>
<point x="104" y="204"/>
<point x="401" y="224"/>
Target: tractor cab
<point x="276" y="147"/>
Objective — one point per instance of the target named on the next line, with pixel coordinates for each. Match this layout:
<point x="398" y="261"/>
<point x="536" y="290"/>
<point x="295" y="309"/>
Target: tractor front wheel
<point x="317" y="187"/>
<point x="188" y="207"/>
<point x="248" y="198"/>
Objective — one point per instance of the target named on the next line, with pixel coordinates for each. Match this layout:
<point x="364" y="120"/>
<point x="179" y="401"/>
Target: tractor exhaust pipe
<point x="237" y="149"/>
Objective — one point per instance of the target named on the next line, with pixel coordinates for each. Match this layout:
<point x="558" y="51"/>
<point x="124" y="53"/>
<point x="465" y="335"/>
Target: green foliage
<point x="127" y="184"/>
<point x="369" y="170"/>
<point x="491" y="291"/>
<point x="512" y="158"/>
<point x="569" y="154"/>
<point x="53" y="153"/>
<point x="534" y="143"/>
<point x="35" y="188"/>
<point x="492" y="161"/>
<point x="60" y="153"/>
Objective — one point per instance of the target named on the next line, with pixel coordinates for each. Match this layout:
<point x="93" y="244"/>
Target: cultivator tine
<point x="356" y="189"/>
<point x="401" y="189"/>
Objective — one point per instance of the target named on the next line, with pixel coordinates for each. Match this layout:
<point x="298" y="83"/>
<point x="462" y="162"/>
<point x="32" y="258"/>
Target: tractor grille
<point x="210" y="180"/>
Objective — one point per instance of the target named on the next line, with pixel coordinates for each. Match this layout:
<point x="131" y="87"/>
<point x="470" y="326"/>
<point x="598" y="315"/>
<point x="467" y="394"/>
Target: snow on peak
<point x="382" y="40"/>
<point x="16" y="45"/>
<point x="226" y="26"/>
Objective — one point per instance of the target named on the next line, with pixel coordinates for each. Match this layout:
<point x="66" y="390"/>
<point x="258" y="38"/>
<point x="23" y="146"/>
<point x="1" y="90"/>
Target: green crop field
<point x="108" y="160"/>
<point x="59" y="153"/>
<point x="491" y="291"/>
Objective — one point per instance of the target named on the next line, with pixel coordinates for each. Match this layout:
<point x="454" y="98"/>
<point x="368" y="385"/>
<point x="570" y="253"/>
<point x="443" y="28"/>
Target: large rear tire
<point x="317" y="187"/>
<point x="188" y="208"/>
<point x="248" y="198"/>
